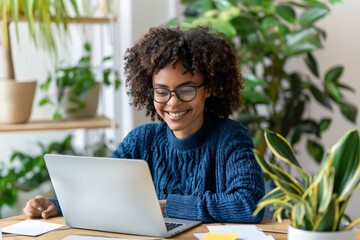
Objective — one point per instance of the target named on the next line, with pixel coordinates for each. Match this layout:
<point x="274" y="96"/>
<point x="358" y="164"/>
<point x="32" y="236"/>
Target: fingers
<point x="40" y="206"/>
<point x="32" y="208"/>
<point x="162" y="206"/>
<point x="51" y="211"/>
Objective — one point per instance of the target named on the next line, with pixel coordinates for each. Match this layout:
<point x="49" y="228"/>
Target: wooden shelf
<point x="85" y="20"/>
<point x="46" y="124"/>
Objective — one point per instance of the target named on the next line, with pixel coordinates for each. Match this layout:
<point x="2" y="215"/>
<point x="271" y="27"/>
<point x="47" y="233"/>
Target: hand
<point x="162" y="206"/>
<point x="40" y="206"/>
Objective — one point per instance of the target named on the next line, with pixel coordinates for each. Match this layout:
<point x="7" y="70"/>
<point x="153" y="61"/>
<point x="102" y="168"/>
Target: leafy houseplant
<point x="25" y="171"/>
<point x="17" y="94"/>
<point x="268" y="36"/>
<point x="314" y="203"/>
<point x="73" y="83"/>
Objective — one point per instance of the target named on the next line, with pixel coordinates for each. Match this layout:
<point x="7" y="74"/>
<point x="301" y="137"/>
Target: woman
<point x="201" y="162"/>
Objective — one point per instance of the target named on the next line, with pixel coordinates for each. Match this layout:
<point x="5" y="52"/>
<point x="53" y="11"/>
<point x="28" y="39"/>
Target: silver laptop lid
<point x="107" y="194"/>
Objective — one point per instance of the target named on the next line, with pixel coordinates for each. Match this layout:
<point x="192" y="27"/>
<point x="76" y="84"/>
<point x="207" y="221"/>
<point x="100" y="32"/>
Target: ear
<point x="208" y="93"/>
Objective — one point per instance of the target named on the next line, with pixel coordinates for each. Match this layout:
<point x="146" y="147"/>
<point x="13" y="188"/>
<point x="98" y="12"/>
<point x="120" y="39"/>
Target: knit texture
<point x="211" y="176"/>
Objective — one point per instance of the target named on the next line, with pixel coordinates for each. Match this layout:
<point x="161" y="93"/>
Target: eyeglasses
<point x="184" y="94"/>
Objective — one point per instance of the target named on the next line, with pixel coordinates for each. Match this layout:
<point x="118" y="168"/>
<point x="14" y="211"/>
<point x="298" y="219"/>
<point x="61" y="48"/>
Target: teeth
<point x="178" y="114"/>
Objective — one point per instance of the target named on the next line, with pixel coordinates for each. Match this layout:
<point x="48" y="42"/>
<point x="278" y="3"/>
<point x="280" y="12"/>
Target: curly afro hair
<point x="199" y="50"/>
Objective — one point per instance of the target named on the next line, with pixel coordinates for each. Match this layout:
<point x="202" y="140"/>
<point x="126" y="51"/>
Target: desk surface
<point x="188" y="235"/>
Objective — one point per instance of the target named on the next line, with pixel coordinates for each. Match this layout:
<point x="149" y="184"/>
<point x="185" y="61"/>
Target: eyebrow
<point x="180" y="85"/>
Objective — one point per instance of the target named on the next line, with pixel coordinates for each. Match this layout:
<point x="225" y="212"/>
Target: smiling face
<point x="183" y="118"/>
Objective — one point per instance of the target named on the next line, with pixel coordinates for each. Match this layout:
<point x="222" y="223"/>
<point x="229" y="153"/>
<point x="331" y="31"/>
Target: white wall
<point x="341" y="48"/>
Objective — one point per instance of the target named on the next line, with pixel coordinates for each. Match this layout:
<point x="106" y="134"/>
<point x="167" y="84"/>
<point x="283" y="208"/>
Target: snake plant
<point x="314" y="202"/>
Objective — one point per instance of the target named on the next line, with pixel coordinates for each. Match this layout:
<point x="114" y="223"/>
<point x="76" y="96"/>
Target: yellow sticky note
<point x="222" y="236"/>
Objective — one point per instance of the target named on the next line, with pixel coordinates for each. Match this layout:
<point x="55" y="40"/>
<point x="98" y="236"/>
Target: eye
<point x="162" y="92"/>
<point x="185" y="91"/>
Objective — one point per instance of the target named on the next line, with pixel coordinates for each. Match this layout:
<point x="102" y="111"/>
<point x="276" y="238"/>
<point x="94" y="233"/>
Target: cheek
<point x="158" y="108"/>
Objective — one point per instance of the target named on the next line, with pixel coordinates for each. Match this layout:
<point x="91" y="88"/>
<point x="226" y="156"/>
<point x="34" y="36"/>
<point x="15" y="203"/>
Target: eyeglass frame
<point x="151" y="92"/>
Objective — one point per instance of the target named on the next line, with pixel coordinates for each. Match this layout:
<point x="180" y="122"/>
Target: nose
<point x="174" y="100"/>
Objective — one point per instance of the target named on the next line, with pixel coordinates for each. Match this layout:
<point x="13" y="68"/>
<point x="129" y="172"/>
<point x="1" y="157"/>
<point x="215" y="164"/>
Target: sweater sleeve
<point x="239" y="186"/>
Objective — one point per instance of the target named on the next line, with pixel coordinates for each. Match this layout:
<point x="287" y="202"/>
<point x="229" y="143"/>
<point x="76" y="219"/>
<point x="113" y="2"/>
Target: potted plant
<point x="316" y="203"/>
<point x="16" y="94"/>
<point x="270" y="37"/>
<point x="78" y="86"/>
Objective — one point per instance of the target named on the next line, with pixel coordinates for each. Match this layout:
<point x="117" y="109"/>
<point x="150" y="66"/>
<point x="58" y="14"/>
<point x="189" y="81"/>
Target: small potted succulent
<point x="315" y="204"/>
<point x="78" y="86"/>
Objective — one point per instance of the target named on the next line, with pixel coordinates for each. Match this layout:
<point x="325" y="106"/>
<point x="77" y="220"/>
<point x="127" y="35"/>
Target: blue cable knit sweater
<point x="211" y="176"/>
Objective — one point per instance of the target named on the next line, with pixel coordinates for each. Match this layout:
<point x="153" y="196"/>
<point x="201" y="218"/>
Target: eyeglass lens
<point x="185" y="94"/>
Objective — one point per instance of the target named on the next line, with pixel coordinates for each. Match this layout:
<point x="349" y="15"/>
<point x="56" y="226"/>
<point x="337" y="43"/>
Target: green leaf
<point x="286" y="12"/>
<point x="335" y="1"/>
<point x="244" y="25"/>
<point x="349" y="111"/>
<point x="333" y="74"/>
<point x="268" y="23"/>
<point x="345" y="155"/>
<point x="44" y="101"/>
<point x="303" y="36"/>
<point x="320" y="97"/>
<point x="315" y="150"/>
<point x="252" y="81"/>
<point x="282" y="179"/>
<point x="274" y="197"/>
<point x="224" y="26"/>
<point x="289" y="185"/>
<point x="325" y="189"/>
<point x="253" y="97"/>
<point x="328" y="221"/>
<point x="301" y="214"/>
<point x="312" y="64"/>
<point x="331" y="82"/>
<point x="324" y="124"/>
<point x="301" y="42"/>
<point x="311" y="15"/>
<point x="301" y="48"/>
<point x="281" y="148"/>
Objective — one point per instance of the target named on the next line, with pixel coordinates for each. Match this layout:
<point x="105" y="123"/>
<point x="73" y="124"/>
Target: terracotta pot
<point x="91" y="100"/>
<point x="296" y="234"/>
<point x="16" y="100"/>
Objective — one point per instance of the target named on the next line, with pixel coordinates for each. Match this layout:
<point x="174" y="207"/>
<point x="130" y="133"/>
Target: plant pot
<point x="16" y="100"/>
<point x="91" y="100"/>
<point x="296" y="234"/>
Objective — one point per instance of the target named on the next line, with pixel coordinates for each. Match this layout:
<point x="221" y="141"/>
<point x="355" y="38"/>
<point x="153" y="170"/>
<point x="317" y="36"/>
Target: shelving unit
<point x="47" y="124"/>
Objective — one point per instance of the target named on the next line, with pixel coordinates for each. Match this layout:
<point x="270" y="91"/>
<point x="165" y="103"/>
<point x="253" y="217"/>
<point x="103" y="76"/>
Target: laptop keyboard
<point x="171" y="225"/>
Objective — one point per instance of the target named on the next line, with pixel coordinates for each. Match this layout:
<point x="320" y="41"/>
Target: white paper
<point x="79" y="237"/>
<point x="199" y="235"/>
<point x="31" y="227"/>
<point x="93" y="237"/>
<point x="246" y="232"/>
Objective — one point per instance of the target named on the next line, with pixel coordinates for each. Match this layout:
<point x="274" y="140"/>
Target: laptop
<point x="110" y="194"/>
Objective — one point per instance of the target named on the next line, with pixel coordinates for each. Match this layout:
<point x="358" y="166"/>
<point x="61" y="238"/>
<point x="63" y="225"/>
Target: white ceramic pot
<point x="299" y="234"/>
<point x="16" y="100"/>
